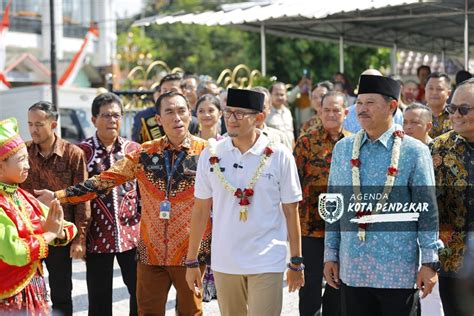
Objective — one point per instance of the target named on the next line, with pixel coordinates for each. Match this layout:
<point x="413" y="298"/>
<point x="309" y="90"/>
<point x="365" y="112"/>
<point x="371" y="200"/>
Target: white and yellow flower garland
<point x="214" y="160"/>
<point x="392" y="170"/>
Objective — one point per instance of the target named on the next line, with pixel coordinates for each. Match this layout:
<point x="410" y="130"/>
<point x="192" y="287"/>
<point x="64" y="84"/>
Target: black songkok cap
<point x="246" y="99"/>
<point x="379" y="84"/>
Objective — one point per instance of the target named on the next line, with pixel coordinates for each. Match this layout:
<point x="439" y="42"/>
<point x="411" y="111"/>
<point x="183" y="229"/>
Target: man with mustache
<point x="376" y="265"/>
<point x="352" y="123"/>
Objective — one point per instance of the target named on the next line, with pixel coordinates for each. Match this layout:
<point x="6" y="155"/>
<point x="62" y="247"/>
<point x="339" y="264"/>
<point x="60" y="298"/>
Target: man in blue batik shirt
<point x="378" y="270"/>
<point x="352" y="124"/>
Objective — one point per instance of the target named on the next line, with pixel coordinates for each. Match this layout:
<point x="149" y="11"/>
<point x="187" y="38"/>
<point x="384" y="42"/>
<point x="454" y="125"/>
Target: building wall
<point x="30" y="29"/>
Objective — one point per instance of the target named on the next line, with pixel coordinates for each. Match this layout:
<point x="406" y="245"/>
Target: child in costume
<point x="26" y="229"/>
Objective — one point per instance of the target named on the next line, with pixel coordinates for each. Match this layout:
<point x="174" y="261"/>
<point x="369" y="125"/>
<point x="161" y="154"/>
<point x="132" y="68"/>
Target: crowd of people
<point x="218" y="187"/>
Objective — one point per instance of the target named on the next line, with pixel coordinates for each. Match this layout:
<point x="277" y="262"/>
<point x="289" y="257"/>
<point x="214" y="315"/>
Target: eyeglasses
<point x="463" y="108"/>
<point x="238" y="115"/>
<point x="109" y="116"/>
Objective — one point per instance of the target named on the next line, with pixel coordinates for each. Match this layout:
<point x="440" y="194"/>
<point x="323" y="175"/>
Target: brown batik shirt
<point x="65" y="166"/>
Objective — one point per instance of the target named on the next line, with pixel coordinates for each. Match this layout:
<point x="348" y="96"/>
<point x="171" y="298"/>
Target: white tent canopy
<point x="443" y="26"/>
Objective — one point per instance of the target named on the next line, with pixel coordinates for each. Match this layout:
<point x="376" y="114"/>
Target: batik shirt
<point x="313" y="153"/>
<point x="441" y="124"/>
<point x="389" y="256"/>
<point x="163" y="242"/>
<point x="453" y="159"/>
<point x="115" y="217"/>
<point x="313" y="123"/>
<point x="66" y="165"/>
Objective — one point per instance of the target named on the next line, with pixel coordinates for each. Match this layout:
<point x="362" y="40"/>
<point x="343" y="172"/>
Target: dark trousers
<point x="364" y="301"/>
<point x="59" y="265"/>
<point x="100" y="272"/>
<point x="457" y="296"/>
<point x="310" y="294"/>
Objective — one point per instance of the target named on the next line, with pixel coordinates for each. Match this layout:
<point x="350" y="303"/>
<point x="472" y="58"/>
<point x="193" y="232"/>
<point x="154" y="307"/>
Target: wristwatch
<point x="298" y="268"/>
<point x="435" y="266"/>
<point x="296" y="260"/>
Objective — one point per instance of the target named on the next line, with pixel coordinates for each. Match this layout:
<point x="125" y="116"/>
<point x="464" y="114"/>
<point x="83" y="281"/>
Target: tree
<point x="209" y="50"/>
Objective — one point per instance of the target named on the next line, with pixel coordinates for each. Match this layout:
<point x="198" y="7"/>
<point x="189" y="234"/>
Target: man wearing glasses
<point x="114" y="228"/>
<point x="453" y="159"/>
<point x="252" y="185"/>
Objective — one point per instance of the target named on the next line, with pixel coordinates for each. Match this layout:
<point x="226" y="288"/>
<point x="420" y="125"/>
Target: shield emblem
<point x="331" y="207"/>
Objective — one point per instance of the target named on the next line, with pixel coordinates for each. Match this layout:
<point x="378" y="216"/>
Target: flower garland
<point x="392" y="172"/>
<point x="243" y="195"/>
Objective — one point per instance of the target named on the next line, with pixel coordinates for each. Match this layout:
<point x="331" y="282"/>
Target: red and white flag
<point x="4" y="24"/>
<point x="78" y="61"/>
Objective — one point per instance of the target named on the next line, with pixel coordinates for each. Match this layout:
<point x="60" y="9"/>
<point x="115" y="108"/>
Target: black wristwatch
<point x="435" y="266"/>
<point x="296" y="260"/>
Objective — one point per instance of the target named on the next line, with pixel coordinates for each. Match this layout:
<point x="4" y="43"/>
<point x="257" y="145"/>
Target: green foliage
<point x="209" y="50"/>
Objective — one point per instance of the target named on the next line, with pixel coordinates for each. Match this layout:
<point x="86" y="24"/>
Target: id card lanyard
<point x="165" y="206"/>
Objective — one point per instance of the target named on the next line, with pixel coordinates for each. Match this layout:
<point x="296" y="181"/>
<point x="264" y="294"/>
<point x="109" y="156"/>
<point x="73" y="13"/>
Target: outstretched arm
<point x="122" y="171"/>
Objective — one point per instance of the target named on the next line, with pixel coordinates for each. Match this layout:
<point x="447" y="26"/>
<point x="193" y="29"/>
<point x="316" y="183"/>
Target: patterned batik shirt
<point x="453" y="160"/>
<point x="313" y="123"/>
<point x="115" y="220"/>
<point x="163" y="242"/>
<point x="441" y="124"/>
<point x="65" y="166"/>
<point x="389" y="256"/>
<point x="313" y="153"/>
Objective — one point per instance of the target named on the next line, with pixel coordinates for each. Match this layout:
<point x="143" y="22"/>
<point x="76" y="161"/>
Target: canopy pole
<point x="263" y="52"/>
<point x="341" y="54"/>
<point x="394" y="60"/>
<point x="443" y="58"/>
<point x="466" y="37"/>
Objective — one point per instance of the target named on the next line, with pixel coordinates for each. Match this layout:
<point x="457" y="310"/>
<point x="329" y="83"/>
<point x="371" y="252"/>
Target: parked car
<point x="76" y="124"/>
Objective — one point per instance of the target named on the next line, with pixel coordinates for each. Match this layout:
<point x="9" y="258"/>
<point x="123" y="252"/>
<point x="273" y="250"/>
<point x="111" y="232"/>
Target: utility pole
<point x="54" y="77"/>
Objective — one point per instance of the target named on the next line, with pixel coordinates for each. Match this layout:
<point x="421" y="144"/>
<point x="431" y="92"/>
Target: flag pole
<point x="54" y="78"/>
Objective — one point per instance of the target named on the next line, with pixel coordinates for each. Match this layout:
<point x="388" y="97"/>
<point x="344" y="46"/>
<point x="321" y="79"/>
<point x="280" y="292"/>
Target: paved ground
<point x="120" y="305"/>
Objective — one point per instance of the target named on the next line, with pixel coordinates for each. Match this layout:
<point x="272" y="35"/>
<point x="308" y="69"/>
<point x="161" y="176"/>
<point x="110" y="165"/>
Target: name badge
<point x="165" y="209"/>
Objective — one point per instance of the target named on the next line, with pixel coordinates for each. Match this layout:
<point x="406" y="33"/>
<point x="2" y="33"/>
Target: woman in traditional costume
<point x="26" y="229"/>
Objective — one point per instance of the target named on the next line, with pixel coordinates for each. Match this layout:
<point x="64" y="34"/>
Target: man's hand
<point x="305" y="82"/>
<point x="45" y="196"/>
<point x="194" y="280"/>
<point x="426" y="280"/>
<point x="295" y="280"/>
<point x="331" y="274"/>
<point x="78" y="251"/>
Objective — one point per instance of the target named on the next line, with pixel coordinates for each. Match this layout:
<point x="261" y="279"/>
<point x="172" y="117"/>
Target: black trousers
<point x="310" y="294"/>
<point x="364" y="301"/>
<point x="100" y="272"/>
<point x="457" y="296"/>
<point x="59" y="265"/>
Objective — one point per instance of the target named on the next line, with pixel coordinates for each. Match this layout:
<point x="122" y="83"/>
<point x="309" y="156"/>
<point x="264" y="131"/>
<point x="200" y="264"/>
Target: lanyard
<point x="170" y="170"/>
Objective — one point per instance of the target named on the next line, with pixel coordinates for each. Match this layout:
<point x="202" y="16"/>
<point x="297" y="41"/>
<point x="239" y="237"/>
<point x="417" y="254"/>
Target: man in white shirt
<point x="280" y="116"/>
<point x="253" y="187"/>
